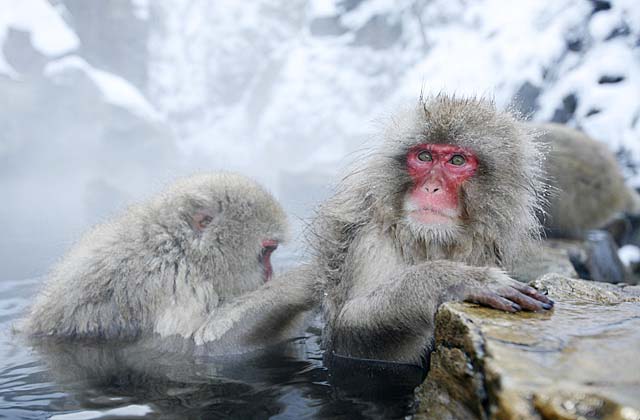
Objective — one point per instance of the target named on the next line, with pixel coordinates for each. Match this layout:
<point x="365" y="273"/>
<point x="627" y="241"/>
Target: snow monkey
<point x="591" y="190"/>
<point x="192" y="262"/>
<point x="438" y="212"/>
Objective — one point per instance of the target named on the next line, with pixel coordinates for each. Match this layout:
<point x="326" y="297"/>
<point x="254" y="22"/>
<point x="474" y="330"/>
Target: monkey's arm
<point x="395" y="320"/>
<point x="266" y="316"/>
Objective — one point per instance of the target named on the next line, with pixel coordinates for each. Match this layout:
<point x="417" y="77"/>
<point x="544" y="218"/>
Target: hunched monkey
<point x="590" y="190"/>
<point x="191" y="262"/>
<point x="437" y="212"/>
<point x="589" y="201"/>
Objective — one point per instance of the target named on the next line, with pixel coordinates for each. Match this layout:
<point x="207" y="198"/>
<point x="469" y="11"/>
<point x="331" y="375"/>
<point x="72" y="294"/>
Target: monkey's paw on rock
<point x="580" y="361"/>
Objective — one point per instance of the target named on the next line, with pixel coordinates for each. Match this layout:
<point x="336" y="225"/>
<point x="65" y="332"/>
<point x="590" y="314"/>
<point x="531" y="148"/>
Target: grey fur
<point x="591" y="190"/>
<point x="150" y="272"/>
<point x="384" y="276"/>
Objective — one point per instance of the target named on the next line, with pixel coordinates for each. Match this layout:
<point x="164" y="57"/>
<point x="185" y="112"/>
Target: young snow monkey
<point x="192" y="262"/>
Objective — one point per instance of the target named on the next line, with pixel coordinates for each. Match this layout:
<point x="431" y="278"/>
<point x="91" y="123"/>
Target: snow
<point x="603" y="24"/>
<point x="321" y="8"/>
<point x="362" y="14"/>
<point x="115" y="90"/>
<point x="141" y="9"/>
<point x="277" y="89"/>
<point x="616" y="123"/>
<point x="49" y="33"/>
<point x="494" y="48"/>
<point x="629" y="254"/>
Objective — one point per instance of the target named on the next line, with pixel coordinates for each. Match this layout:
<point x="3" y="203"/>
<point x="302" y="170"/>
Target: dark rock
<point x="378" y="33"/>
<point x="622" y="30"/>
<point x="566" y="111"/>
<point x="575" y="45"/>
<point x="112" y="37"/>
<point x="610" y="79"/>
<point x="348" y="5"/>
<point x="525" y="101"/>
<point x="21" y="55"/>
<point x="602" y="261"/>
<point x="594" y="258"/>
<point x="593" y="111"/>
<point x="327" y="26"/>
<point x="600" y="5"/>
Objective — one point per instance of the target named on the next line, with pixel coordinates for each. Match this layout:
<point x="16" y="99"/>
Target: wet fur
<point x="384" y="276"/>
<point x="149" y="272"/>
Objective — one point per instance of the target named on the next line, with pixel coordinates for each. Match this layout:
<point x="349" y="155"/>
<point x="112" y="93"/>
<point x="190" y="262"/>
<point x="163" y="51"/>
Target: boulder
<point x="550" y="258"/>
<point x="579" y="361"/>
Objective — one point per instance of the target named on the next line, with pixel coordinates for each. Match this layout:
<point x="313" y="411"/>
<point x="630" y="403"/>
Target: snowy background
<point x="104" y="102"/>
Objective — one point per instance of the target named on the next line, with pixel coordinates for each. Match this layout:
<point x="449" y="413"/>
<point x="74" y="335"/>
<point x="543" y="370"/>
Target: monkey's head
<point x="459" y="175"/>
<point x="227" y="226"/>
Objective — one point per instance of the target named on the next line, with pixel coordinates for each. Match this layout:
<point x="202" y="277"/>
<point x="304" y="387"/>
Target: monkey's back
<point x="590" y="188"/>
<point x="87" y="292"/>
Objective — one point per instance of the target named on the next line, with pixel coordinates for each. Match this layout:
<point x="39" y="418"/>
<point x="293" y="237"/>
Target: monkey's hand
<point x="499" y="291"/>
<point x="269" y="315"/>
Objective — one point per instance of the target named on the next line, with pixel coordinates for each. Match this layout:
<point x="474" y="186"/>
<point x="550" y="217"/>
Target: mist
<point x="103" y="103"/>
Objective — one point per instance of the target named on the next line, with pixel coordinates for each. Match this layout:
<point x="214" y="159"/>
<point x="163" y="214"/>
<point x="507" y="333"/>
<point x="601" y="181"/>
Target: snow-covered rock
<point x="309" y="81"/>
<point x="115" y="90"/>
<point x="49" y="33"/>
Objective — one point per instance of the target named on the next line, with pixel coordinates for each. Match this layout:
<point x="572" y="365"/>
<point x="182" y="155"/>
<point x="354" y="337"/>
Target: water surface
<point x="97" y="381"/>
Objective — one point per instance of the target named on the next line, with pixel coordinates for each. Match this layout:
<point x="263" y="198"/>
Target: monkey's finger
<point x="531" y="292"/>
<point x="523" y="300"/>
<point x="493" y="300"/>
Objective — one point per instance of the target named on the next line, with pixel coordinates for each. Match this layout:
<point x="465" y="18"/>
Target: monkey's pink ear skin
<point x="200" y="220"/>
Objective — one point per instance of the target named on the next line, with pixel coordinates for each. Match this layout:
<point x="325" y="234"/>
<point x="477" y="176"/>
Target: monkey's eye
<point x="206" y="220"/>
<point x="425" y="156"/>
<point x="201" y="220"/>
<point x="458" y="160"/>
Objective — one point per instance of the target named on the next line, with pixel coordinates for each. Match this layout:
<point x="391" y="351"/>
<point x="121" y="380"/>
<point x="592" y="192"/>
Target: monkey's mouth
<point x="268" y="246"/>
<point x="430" y="215"/>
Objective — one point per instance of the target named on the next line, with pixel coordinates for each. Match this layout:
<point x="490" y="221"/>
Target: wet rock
<point x="550" y="258"/>
<point x="566" y="110"/>
<point x="579" y="361"/>
<point x="595" y="258"/>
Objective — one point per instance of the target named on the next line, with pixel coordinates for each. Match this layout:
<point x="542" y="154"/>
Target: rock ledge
<point x="580" y="361"/>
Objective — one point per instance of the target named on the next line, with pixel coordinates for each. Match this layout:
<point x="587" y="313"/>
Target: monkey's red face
<point x="438" y="171"/>
<point x="268" y="246"/>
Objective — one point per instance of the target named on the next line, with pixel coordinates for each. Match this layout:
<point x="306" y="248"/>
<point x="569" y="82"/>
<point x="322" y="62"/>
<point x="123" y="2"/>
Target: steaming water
<point x="86" y="382"/>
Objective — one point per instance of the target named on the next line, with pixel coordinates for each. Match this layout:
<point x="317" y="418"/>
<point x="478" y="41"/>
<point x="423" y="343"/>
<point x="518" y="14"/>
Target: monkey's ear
<point x="200" y="220"/>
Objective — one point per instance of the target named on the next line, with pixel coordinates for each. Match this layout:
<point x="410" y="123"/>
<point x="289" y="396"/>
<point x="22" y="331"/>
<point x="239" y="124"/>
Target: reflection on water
<point x="98" y="381"/>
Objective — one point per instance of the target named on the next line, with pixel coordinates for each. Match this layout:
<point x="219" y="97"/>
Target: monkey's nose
<point x="431" y="188"/>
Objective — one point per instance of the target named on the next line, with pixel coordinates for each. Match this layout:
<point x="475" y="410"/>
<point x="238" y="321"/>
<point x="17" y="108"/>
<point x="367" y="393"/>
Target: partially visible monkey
<point x="436" y="213"/>
<point x="191" y="262"/>
<point x="591" y="190"/>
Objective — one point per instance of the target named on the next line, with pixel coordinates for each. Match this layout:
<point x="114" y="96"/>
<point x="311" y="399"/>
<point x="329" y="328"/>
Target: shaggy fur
<point x="384" y="275"/>
<point x="151" y="272"/>
<point x="590" y="188"/>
